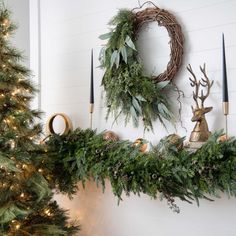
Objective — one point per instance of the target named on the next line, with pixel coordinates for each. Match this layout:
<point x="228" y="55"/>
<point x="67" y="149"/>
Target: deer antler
<point x="194" y="83"/>
<point x="205" y="83"/>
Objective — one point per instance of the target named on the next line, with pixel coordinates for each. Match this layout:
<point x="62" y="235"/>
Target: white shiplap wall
<point x="20" y="15"/>
<point x="69" y="29"/>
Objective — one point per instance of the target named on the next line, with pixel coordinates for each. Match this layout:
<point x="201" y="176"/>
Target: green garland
<point x="164" y="171"/>
<point x="128" y="90"/>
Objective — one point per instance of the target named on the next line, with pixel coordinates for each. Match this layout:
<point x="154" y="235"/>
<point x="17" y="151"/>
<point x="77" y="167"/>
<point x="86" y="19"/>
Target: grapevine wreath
<point x="128" y="89"/>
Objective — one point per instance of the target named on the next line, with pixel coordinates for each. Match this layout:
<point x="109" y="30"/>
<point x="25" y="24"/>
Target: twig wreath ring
<point x="168" y="20"/>
<point x="128" y="90"/>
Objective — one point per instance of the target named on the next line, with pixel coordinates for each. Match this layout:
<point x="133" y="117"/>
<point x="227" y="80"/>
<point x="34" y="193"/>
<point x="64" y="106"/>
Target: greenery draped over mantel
<point x="164" y="171"/>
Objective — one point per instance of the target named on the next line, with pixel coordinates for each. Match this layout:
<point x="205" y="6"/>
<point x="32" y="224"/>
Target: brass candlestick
<point x="226" y="113"/>
<point x="91" y="108"/>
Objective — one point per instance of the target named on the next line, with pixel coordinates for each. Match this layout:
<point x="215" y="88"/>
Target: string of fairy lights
<point x="17" y="93"/>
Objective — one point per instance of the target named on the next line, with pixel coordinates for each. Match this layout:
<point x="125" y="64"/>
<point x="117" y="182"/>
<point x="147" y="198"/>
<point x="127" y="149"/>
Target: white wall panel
<point x="69" y="29"/>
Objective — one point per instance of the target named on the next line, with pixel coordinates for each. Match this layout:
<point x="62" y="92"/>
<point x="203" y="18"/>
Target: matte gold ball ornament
<point x="175" y="140"/>
<point x="15" y="224"/>
<point x="223" y="138"/>
<point x="110" y="136"/>
<point x="142" y="143"/>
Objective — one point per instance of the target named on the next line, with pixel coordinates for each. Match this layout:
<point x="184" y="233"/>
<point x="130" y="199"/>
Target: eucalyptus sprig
<point x="128" y="90"/>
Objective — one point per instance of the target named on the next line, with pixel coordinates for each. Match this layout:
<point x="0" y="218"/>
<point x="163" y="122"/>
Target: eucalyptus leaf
<point x="102" y="54"/>
<point x="164" y="110"/>
<point x="117" y="59"/>
<point x="136" y="105"/>
<point x="105" y="36"/>
<point x="162" y="84"/>
<point x="113" y="58"/>
<point x="140" y="98"/>
<point x="130" y="43"/>
<point x="134" y="114"/>
<point x="124" y="53"/>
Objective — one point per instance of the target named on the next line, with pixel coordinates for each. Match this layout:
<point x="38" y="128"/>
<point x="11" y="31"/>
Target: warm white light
<point x="17" y="226"/>
<point x="6" y="36"/>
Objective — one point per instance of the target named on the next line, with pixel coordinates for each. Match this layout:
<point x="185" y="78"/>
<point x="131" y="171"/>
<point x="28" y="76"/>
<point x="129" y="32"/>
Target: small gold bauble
<point x="142" y="143"/>
<point x="110" y="136"/>
<point x="49" y="177"/>
<point x="222" y="138"/>
<point x="175" y="139"/>
<point x="15" y="224"/>
<point x="12" y="187"/>
<point x="6" y="23"/>
<point x="24" y="166"/>
<point x="47" y="212"/>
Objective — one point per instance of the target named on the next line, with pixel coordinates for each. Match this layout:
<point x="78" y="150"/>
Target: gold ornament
<point x="24" y="166"/>
<point x="6" y="23"/>
<point x="68" y="124"/>
<point x="110" y="136"/>
<point x="142" y="143"/>
<point x="13" y="187"/>
<point x="222" y="138"/>
<point x="15" y="224"/>
<point x="47" y="212"/>
<point x="28" y="170"/>
<point x="175" y="139"/>
<point x="49" y="177"/>
<point x="18" y="166"/>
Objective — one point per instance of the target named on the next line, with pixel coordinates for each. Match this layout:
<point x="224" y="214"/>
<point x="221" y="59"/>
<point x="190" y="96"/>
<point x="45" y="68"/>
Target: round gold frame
<point x="67" y="121"/>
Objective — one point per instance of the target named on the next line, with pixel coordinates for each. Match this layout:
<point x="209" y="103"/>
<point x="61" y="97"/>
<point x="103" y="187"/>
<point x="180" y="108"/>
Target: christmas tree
<point x="26" y="204"/>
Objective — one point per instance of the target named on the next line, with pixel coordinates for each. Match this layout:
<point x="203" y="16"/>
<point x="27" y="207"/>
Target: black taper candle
<point x="91" y="81"/>
<point x="224" y="81"/>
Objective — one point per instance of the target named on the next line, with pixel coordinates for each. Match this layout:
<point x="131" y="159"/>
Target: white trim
<point x="35" y="48"/>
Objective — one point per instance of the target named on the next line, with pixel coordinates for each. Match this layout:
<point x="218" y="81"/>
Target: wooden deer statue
<point x="200" y="132"/>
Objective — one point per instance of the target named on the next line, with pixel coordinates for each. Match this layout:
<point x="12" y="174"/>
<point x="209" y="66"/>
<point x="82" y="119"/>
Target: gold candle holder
<point x="91" y="108"/>
<point x="226" y="113"/>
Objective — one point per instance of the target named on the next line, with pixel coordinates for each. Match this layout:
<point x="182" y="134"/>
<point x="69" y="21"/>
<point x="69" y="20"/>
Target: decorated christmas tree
<point x="26" y="204"/>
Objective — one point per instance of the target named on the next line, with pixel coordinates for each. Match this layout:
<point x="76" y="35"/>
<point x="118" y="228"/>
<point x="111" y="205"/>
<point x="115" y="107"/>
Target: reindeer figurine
<point x="200" y="132"/>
